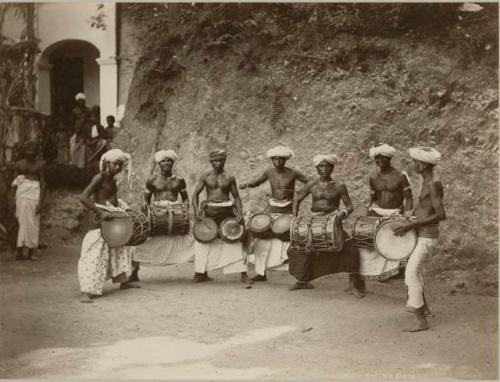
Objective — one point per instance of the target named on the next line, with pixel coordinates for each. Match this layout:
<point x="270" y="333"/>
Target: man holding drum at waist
<point x="98" y="261"/>
<point x="271" y="253"/>
<point x="218" y="206"/>
<point x="165" y="188"/>
<point x="390" y="193"/>
<point x="429" y="213"/>
<point x="326" y="195"/>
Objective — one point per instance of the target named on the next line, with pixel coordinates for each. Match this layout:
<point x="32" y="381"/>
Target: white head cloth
<point x="425" y="154"/>
<point x="80" y="96"/>
<point x="162" y="154"/>
<point x="280" y="151"/>
<point x="330" y="158"/>
<point x="384" y="149"/>
<point x="117" y="155"/>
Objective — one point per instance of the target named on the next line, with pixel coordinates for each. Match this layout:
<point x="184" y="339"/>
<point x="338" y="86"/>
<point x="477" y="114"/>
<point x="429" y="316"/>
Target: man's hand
<point x="38" y="208"/>
<point x="240" y="219"/>
<point x="242" y="186"/>
<point x="408" y="214"/>
<point x="144" y="208"/>
<point x="104" y="216"/>
<point x="343" y="214"/>
<point x="402" y="229"/>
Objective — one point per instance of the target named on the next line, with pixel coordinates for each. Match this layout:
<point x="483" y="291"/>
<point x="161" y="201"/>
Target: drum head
<point x="117" y="231"/>
<point x="230" y="230"/>
<point x="205" y="230"/>
<point x="260" y="222"/>
<point x="394" y="247"/>
<point x="282" y="224"/>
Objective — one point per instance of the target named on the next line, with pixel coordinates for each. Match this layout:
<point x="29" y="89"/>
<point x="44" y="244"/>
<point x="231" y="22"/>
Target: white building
<point x="74" y="57"/>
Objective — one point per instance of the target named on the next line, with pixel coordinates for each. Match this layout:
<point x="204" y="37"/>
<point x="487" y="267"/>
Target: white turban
<point x="80" y="96"/>
<point x="280" y="151"/>
<point x="117" y="155"/>
<point x="162" y="154"/>
<point x="385" y="150"/>
<point x="331" y="158"/>
<point x="425" y="154"/>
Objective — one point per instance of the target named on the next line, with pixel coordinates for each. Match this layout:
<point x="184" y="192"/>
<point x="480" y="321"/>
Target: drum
<point x="230" y="230"/>
<point x="364" y="230"/>
<point x="260" y="225"/>
<point x="169" y="220"/>
<point x="389" y="245"/>
<point x="319" y="233"/>
<point x="205" y="230"/>
<point x="281" y="226"/>
<point x="128" y="228"/>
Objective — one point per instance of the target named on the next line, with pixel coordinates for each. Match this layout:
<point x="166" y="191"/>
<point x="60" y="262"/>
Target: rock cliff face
<point x="257" y="77"/>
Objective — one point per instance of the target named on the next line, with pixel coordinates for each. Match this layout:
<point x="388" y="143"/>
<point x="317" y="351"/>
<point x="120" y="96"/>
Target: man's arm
<point x="302" y="195"/>
<point x="43" y="187"/>
<point x="373" y="191"/>
<point x="88" y="192"/>
<point x="183" y="192"/>
<point x="237" y="200"/>
<point x="344" y="194"/>
<point x="150" y="188"/>
<point x="408" y="196"/>
<point x="300" y="177"/>
<point x="196" y="193"/>
<point x="256" y="182"/>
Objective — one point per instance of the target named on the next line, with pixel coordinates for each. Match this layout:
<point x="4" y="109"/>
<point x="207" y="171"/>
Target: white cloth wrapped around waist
<point x="385" y="211"/>
<point x="122" y="206"/>
<point x="27" y="188"/>
<point x="279" y="203"/>
<point x="164" y="203"/>
<point x="227" y="203"/>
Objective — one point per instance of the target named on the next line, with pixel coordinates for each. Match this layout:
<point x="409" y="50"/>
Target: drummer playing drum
<point x="271" y="252"/>
<point x="98" y="261"/>
<point x="218" y="254"/>
<point x="429" y="213"/>
<point x="164" y="188"/>
<point x="326" y="195"/>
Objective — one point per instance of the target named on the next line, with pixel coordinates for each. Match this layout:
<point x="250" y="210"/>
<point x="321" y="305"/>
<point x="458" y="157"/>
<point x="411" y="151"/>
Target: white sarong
<point x="218" y="254"/>
<point x="165" y="250"/>
<point x="27" y="199"/>
<point x="371" y="264"/>
<point x="270" y="254"/>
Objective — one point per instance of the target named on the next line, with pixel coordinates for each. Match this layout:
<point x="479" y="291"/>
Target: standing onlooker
<point x="80" y="114"/>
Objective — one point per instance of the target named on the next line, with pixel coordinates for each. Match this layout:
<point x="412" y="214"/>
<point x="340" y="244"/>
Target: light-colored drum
<point x="128" y="228"/>
<point x="230" y="230"/>
<point x="205" y="230"/>
<point x="260" y="224"/>
<point x="317" y="233"/>
<point x="389" y="245"/>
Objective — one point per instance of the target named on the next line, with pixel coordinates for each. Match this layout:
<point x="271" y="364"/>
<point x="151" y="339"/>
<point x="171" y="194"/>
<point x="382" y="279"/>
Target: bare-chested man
<point x="162" y="193"/>
<point x="29" y="198"/>
<point x="218" y="206"/>
<point x="326" y="196"/>
<point x="390" y="193"/>
<point x="98" y="261"/>
<point x="272" y="253"/>
<point x="429" y="212"/>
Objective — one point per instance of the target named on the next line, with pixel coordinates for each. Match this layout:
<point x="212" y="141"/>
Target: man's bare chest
<point x="389" y="182"/>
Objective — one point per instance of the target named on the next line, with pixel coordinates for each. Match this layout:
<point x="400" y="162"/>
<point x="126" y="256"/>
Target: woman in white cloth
<point x="98" y="261"/>
<point x="429" y="212"/>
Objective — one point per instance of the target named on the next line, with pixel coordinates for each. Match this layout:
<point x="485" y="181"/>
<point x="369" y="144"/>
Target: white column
<point x="108" y="87"/>
<point x="43" y="101"/>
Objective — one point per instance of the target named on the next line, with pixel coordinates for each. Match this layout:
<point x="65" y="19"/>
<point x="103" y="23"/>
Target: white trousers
<point x="413" y="275"/>
<point x="218" y="254"/>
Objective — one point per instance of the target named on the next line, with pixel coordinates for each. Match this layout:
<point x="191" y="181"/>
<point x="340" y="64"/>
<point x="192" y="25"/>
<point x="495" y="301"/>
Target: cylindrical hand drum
<point x="180" y="220"/>
<point x="394" y="247"/>
<point x="260" y="224"/>
<point x="327" y="233"/>
<point x="205" y="230"/>
<point x="281" y="226"/>
<point x="363" y="231"/>
<point x="230" y="230"/>
<point x="161" y="220"/>
<point x="300" y="233"/>
<point x="128" y="228"/>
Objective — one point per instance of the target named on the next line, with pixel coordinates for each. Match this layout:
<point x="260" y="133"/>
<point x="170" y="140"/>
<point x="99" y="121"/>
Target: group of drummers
<point x="393" y="236"/>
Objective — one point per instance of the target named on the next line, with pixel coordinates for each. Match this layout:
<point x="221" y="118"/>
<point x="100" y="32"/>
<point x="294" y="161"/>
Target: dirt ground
<point x="173" y="329"/>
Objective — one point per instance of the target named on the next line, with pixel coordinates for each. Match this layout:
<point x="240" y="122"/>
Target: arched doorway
<point x="65" y="69"/>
